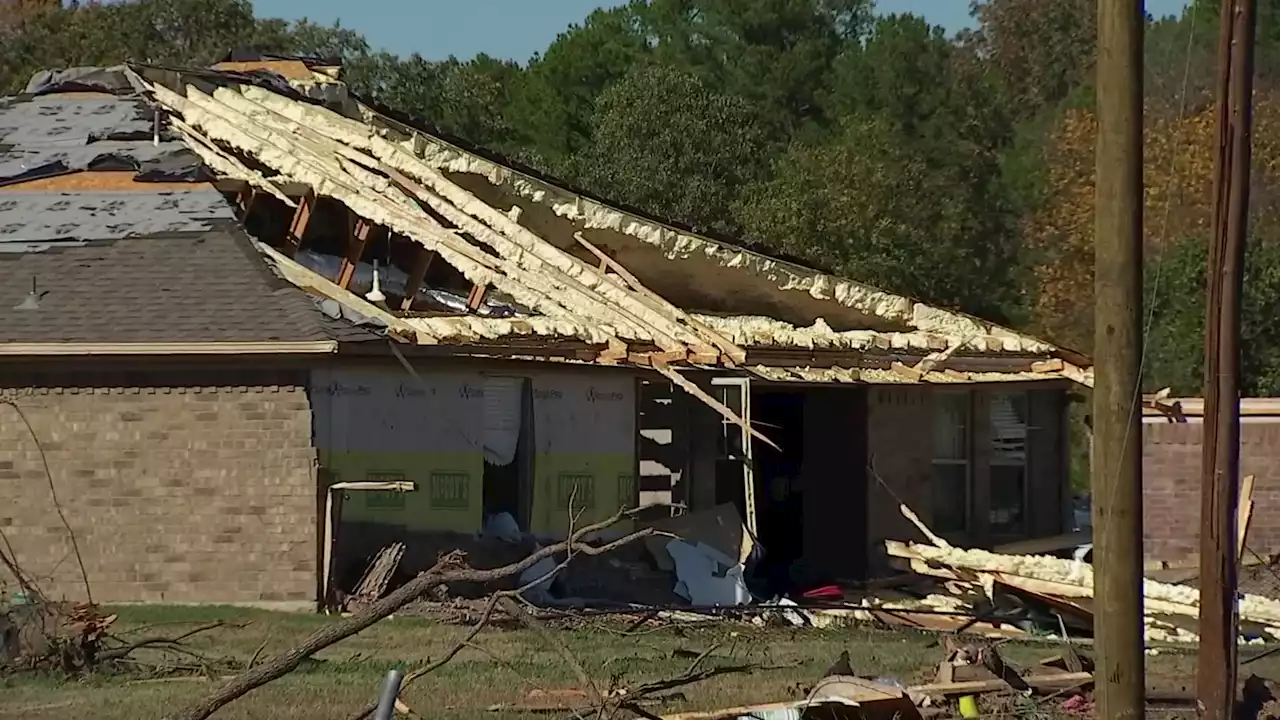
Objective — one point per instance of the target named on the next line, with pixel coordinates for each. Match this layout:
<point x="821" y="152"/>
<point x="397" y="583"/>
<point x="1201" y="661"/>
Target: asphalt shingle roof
<point x="194" y="287"/>
<point x="32" y="221"/>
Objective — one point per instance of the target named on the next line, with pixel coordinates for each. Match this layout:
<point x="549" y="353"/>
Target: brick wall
<point x="1171" y="488"/>
<point x="900" y="445"/>
<point x="179" y="485"/>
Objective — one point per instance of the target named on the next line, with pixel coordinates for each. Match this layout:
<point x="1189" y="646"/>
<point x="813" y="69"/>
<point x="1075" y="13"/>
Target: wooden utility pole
<point x="1216" y="666"/>
<point x="1117" y="417"/>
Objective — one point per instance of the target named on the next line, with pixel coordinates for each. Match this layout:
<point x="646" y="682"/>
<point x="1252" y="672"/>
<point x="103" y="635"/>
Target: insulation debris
<point x="387" y="175"/>
<point x="1065" y="587"/>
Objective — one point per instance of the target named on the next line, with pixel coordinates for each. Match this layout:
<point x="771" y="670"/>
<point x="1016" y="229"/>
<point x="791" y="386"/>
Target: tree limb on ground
<point x="485" y="615"/>
<point x="450" y="569"/>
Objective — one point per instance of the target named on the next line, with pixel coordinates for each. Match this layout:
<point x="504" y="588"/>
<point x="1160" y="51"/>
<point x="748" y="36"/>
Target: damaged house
<point x="248" y="318"/>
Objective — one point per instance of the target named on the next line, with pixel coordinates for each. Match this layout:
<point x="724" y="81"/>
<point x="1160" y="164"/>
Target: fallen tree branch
<point x="485" y="615"/>
<point x="449" y="569"/>
<point x="512" y="607"/>
<point x="119" y="652"/>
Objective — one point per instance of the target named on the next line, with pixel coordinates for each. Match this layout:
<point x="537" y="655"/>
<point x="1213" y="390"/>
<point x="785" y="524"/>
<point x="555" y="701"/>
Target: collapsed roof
<point x="622" y="287"/>
<point x="113" y="239"/>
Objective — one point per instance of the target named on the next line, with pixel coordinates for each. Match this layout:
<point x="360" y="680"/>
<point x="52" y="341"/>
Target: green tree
<point x="1042" y="50"/>
<point x="665" y="142"/>
<point x="776" y="54"/>
<point x="189" y="32"/>
<point x="556" y="97"/>
<point x="922" y="134"/>
<point x="1176" y="332"/>
<point x="874" y="208"/>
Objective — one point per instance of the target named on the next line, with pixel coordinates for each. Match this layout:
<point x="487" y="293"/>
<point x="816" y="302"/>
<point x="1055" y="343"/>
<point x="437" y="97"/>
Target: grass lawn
<point x="508" y="664"/>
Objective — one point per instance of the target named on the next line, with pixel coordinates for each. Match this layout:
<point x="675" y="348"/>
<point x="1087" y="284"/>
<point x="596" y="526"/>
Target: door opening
<point x="508" y="443"/>
<point x="779" y="415"/>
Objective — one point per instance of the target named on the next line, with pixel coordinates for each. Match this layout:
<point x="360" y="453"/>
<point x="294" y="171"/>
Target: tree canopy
<point x="954" y="168"/>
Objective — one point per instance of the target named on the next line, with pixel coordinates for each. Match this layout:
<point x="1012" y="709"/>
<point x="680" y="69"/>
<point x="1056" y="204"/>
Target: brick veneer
<point x="1171" y="488"/>
<point x="180" y="485"/>
<point x="900" y="447"/>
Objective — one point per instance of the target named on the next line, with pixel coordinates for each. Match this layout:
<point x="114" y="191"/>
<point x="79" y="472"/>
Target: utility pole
<point x="1216" y="665"/>
<point x="1117" y="417"/>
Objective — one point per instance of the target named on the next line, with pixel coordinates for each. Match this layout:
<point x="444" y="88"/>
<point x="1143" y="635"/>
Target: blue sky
<point x="516" y="29"/>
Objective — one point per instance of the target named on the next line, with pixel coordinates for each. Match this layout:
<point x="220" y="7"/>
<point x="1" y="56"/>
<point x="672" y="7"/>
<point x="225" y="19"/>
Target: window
<point x="951" y="467"/>
<point x="1008" y="416"/>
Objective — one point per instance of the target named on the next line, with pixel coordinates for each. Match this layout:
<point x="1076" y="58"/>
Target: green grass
<point x="509" y="665"/>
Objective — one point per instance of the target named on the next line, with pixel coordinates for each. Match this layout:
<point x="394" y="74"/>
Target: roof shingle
<point x="189" y="287"/>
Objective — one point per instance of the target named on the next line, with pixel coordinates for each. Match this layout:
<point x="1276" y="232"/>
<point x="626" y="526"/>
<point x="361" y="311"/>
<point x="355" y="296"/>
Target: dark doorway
<point x="835" y="481"/>
<point x="779" y="415"/>
<point x="508" y="475"/>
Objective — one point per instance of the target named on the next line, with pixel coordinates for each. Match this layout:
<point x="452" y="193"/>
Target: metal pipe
<point x="386" y="709"/>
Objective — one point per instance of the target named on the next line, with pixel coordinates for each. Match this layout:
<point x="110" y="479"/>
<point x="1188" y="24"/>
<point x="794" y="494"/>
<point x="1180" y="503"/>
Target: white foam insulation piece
<point x="880" y="376"/>
<point x="677" y="244"/>
<point x="462" y="208"/>
<point x="757" y="331"/>
<point x="1252" y="608"/>
<point x="367" y="195"/>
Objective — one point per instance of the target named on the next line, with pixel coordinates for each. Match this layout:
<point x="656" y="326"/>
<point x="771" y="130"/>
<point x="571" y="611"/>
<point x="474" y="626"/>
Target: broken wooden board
<point x="838" y="697"/>
<point x="378" y="575"/>
<point x="1062" y="578"/>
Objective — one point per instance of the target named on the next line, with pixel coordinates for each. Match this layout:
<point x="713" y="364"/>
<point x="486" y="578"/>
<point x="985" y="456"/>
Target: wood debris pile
<point x="51" y="636"/>
<point x="1013" y="594"/>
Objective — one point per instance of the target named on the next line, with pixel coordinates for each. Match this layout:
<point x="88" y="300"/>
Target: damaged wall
<point x="902" y="443"/>
<point x="1171" y="487"/>
<point x="180" y="485"/>
<point x="900" y="451"/>
<point x="585" y="439"/>
<point x="378" y="422"/>
<point x="382" y="424"/>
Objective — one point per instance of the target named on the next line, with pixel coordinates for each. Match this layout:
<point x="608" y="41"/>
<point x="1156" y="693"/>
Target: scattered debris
<point x="450" y="568"/>
<point x="840" y="697"/>
<point x="75" y="638"/>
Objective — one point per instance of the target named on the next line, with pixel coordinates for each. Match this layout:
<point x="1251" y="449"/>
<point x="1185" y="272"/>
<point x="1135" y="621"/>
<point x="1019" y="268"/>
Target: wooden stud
<point x="356" y="244"/>
<point x="1048" y="366"/>
<point x="245" y="199"/>
<point x="730" y="350"/>
<point x="298" y="226"/>
<point x="417" y="274"/>
<point x="476" y="297"/>
<point x="616" y="351"/>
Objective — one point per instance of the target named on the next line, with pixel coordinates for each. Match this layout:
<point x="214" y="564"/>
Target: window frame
<point x="967" y="461"/>
<point x="1024" y="522"/>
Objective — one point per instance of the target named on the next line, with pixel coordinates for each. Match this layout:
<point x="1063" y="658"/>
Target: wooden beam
<point x="356" y="244"/>
<point x="298" y="226"/>
<point x="245" y="199"/>
<point x="1244" y="513"/>
<point x="476" y="297"/>
<point x="732" y="353"/>
<point x="417" y="274"/>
